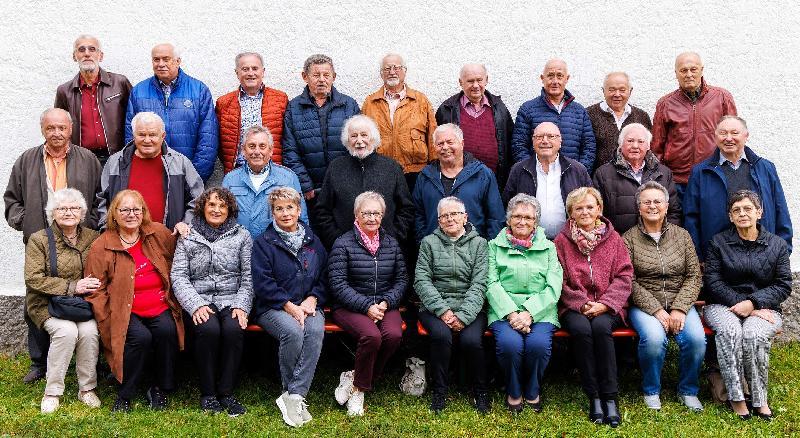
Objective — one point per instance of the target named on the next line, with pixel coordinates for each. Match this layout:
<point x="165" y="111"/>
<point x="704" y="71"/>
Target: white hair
<point x="402" y="60"/>
<point x="368" y="196"/>
<point x="50" y="110"/>
<point x="61" y="197"/>
<point x="147" y="117"/>
<point x="176" y="53"/>
<point x="360" y="120"/>
<point x="450" y="200"/>
<point x="627" y="128"/>
<point x="452" y="127"/>
<point x="86" y="36"/>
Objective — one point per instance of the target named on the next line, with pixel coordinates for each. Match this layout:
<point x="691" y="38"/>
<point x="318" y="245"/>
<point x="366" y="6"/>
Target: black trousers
<point x="593" y="351"/>
<point x="441" y="340"/>
<point x="159" y="335"/>
<point x="38" y="343"/>
<point x="218" y="345"/>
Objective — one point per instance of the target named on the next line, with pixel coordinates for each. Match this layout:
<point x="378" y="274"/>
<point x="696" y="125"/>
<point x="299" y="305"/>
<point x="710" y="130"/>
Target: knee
<point x="442" y="338"/>
<point x="167" y="329"/>
<point x="208" y="330"/>
<point x="139" y="338"/>
<point x="370" y="341"/>
<point x="88" y="330"/>
<point x="315" y="330"/>
<point x="538" y="347"/>
<point x="510" y="344"/>
<point x="652" y="343"/>
<point x="291" y="338"/>
<point x="472" y="343"/>
<point x="393" y="337"/>
<point x="601" y="327"/>
<point x="67" y="331"/>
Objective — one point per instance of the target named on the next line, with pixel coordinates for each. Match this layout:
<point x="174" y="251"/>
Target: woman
<point x="134" y="305"/>
<point x="289" y="266"/>
<point x="594" y="297"/>
<point x="367" y="281"/>
<point x="747" y="277"/>
<point x="65" y="210"/>
<point x="666" y="283"/>
<point x="450" y="280"/>
<point x="524" y="285"/>
<point x="211" y="281"/>
<point x="363" y="169"/>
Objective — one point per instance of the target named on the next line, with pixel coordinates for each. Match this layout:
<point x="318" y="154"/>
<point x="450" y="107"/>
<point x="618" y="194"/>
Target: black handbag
<point x="62" y="306"/>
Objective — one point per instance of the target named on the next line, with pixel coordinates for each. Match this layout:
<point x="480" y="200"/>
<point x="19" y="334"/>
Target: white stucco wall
<point x="750" y="48"/>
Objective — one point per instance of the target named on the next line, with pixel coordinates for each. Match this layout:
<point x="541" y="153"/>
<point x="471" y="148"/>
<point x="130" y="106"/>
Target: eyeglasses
<point x="450" y="216"/>
<point x="520" y="218"/>
<point x="369" y="214"/>
<point x="73" y="210"/>
<point x="130" y="211"/>
<point x="738" y="210"/>
<point x="656" y="202"/>
<point x="391" y="68"/>
<point x="547" y="136"/>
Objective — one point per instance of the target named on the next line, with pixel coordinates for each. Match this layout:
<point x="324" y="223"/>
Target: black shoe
<point x="232" y="405"/>
<point x="157" y="398"/>
<point x="611" y="417"/>
<point x="515" y="409"/>
<point x="596" y="411"/>
<point x="211" y="405"/>
<point x="438" y="402"/>
<point x="483" y="404"/>
<point x="765" y="417"/>
<point x="122" y="405"/>
<point x="34" y="375"/>
<point x="537" y="406"/>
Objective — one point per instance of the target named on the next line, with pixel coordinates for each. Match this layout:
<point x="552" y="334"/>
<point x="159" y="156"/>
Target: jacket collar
<point x="379" y="94"/>
<point x="731" y="236"/>
<point x="272" y="236"/>
<point x="469" y="234"/>
<point x="471" y="166"/>
<point x="130" y="149"/>
<point x="306" y="99"/>
<point x="713" y="160"/>
<point x="650" y="160"/>
<point x="564" y="162"/>
<point x="454" y="100"/>
<point x="664" y="227"/>
<point x="112" y="242"/>
<point x="105" y="79"/>
<point x="539" y="240"/>
<point x="568" y="233"/>
<point x="568" y="98"/>
<point x="197" y="237"/>
<point x="179" y="80"/>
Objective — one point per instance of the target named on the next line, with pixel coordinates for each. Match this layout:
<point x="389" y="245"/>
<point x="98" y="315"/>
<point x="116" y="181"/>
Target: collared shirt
<point x="250" y="116"/>
<point x="258" y="178"/>
<point x="92" y="135"/>
<point x="548" y="193"/>
<point x="394" y="100"/>
<point x="56" y="170"/>
<point x="694" y="95"/>
<point x="733" y="165"/>
<point x="636" y="173"/>
<point x="560" y="105"/>
<point x="167" y="89"/>
<point x="618" y="120"/>
<point x="470" y="108"/>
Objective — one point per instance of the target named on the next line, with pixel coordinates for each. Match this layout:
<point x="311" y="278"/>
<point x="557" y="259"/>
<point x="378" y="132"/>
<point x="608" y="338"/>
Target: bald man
<point x="557" y="105"/>
<point x="684" y="121"/>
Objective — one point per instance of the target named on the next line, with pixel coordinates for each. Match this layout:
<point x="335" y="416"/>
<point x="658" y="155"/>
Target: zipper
<point x="102" y="123"/>
<point x="452" y="278"/>
<point x="375" y="291"/>
<point x="663" y="274"/>
<point x="591" y="275"/>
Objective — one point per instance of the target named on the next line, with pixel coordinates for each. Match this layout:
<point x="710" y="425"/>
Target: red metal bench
<point x="561" y="333"/>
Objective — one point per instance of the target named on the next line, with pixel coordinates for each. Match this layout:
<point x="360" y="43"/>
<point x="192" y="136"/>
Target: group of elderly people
<point x="586" y="254"/>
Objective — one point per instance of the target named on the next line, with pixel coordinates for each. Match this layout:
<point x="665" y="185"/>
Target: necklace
<point x="129" y="243"/>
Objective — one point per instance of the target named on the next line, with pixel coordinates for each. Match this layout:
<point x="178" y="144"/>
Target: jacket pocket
<point x="418" y="152"/>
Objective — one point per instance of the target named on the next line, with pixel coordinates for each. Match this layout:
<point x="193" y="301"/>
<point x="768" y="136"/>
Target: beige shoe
<point x="49" y="404"/>
<point x="89" y="398"/>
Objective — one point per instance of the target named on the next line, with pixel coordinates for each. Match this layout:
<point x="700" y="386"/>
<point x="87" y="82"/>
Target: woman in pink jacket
<point x="597" y="282"/>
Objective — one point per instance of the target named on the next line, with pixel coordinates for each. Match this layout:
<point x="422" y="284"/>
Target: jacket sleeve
<point x="182" y="285"/>
<point x="619" y="290"/>
<point x="291" y="153"/>
<point x="584" y="178"/>
<point x="15" y="204"/>
<point x="93" y="216"/>
<point x="398" y="290"/>
<point x="325" y="203"/>
<point x="693" y="280"/>
<point x="244" y="297"/>
<point x="496" y="296"/>
<point x="510" y="190"/>
<point x="97" y="266"/>
<point x="419" y="211"/>
<point x="129" y="113"/>
<point x="542" y="303"/>
<point x="659" y="143"/>
<point x="640" y="296"/>
<point x="61" y="99"/>
<point x="303" y="207"/>
<point x="432" y="155"/>
<point x="715" y="286"/>
<point x="495" y="212"/>
<point x="339" y="287"/>
<point x="443" y="115"/>
<point x="521" y="142"/>
<point x="783" y="220"/>
<point x="403" y="206"/>
<point x="193" y="188"/>
<point x="773" y="295"/>
<point x="572" y="298"/>
<point x="320" y="288"/>
<point x="423" y="281"/>
<point x="674" y="215"/>
<point x="728" y="105"/>
<point x="265" y="288"/>
<point x="691" y="211"/>
<point x="474" y="296"/>
<point x="208" y="139"/>
<point x="37" y="272"/>
<point x="588" y="143"/>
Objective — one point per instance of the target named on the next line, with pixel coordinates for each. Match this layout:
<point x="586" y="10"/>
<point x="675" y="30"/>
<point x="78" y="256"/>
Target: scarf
<point x="292" y="239"/>
<point x="371" y="244"/>
<point x="520" y="244"/>
<point x="201" y="227"/>
<point x="587" y="240"/>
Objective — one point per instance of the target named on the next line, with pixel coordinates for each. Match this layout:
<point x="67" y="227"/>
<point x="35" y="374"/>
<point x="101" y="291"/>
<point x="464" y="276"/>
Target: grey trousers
<point x="743" y="346"/>
<point x="67" y="337"/>
<point x="299" y="347"/>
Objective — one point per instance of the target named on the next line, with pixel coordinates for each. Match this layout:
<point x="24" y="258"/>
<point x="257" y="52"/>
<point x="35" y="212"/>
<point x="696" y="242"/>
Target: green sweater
<point x="451" y="275"/>
<point x="524" y="280"/>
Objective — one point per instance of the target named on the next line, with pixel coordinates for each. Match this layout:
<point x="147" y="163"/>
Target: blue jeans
<point x="523" y="358"/>
<point x="653" y="347"/>
<point x="298" y="349"/>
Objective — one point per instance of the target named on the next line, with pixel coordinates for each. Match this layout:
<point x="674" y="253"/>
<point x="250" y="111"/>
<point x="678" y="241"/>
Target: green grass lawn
<point x="390" y="413"/>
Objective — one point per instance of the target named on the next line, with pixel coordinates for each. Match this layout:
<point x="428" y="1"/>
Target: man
<point x="96" y="100"/>
<point x="633" y="166"/>
<point x="253" y="104"/>
<point x="608" y="117"/>
<point x="183" y="103"/>
<point x="405" y="119"/>
<point x="253" y="182"/>
<point x="557" y="105"/>
<point x="166" y="178"/>
<point x="458" y="174"/>
<point x="549" y="176"/>
<point x="730" y="168"/>
<point x="682" y="124"/>
<point x="36" y="174"/>
<point x="484" y="118"/>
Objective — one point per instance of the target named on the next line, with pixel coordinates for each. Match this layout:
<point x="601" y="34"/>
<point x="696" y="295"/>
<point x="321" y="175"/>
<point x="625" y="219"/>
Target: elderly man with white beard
<point x="361" y="171"/>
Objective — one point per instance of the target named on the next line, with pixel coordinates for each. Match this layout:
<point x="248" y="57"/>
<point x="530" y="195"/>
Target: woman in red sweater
<point x="597" y="283"/>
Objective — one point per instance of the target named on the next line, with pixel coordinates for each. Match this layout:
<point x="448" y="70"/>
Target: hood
<point x="650" y="160"/>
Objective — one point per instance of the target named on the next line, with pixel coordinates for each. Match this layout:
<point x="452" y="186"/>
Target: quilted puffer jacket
<point x="188" y="116"/>
<point x="358" y="279"/>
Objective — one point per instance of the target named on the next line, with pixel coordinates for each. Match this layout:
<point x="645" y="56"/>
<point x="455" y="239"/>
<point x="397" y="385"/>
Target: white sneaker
<point x="49" y="404"/>
<point x="691" y="402"/>
<point x="355" y="404"/>
<point x="289" y="404"/>
<point x="652" y="401"/>
<point x="89" y="398"/>
<point x="304" y="414"/>
<point x="342" y="392"/>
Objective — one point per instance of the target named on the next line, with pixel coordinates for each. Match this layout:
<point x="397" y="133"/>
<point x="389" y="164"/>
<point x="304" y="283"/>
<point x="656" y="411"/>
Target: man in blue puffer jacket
<point x="185" y="105"/>
<point x="556" y="104"/>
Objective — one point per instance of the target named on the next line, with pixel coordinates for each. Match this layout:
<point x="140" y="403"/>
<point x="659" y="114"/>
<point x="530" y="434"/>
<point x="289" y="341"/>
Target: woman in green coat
<point x="525" y="280"/>
<point x="451" y="281"/>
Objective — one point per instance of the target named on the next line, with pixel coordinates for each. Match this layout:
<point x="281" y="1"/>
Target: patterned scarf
<point x="587" y="240"/>
<point x="520" y="244"/>
<point x="372" y="244"/>
<point x="292" y="239"/>
<point x="201" y="227"/>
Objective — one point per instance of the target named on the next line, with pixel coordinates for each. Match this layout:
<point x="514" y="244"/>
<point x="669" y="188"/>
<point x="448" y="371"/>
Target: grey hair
<point x="361" y="120"/>
<point x="176" y="53"/>
<point x="732" y="117"/>
<point x="523" y="199"/>
<point x="652" y="185"/>
<point x="449" y="127"/>
<point x="627" y="128"/>
<point x="147" y="117"/>
<point x="402" y="60"/>
<point x="86" y="36"/>
<point x="741" y="195"/>
<point x="368" y="196"/>
<point x="49" y="110"/>
<point x="61" y="197"/>
<point x="281" y="193"/>
<point x="243" y="54"/>
<point x="258" y="129"/>
<point x="317" y="59"/>
<point x="615" y="73"/>
<point x="450" y="200"/>
<point x="465" y="66"/>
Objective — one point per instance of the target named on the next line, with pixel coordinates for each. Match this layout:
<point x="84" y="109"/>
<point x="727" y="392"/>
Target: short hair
<point x="402" y="60"/>
<point x="176" y="53"/>
<point x="223" y="194"/>
<point x="317" y="59"/>
<point x="147" y="117"/>
<point x="731" y="117"/>
<point x="524" y="199"/>
<point x="58" y="110"/>
<point x="651" y="185"/>
<point x="579" y="194"/>
<point x="358" y="120"/>
<point x="464" y="68"/>
<point x="258" y="129"/>
<point x="243" y="54"/>
<point x="114" y="207"/>
<point x="283" y="193"/>
<point x="616" y="73"/>
<point x="368" y="196"/>
<point x="86" y="36"/>
<point x="741" y="195"/>
<point x="61" y="197"/>
<point x="450" y="200"/>
<point x="627" y="128"/>
<point x="449" y="127"/>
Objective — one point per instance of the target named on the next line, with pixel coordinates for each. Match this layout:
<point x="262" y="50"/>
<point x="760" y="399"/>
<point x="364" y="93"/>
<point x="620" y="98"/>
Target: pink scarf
<point x="587" y="240"/>
<point x="520" y="244"/>
<point x="372" y="244"/>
